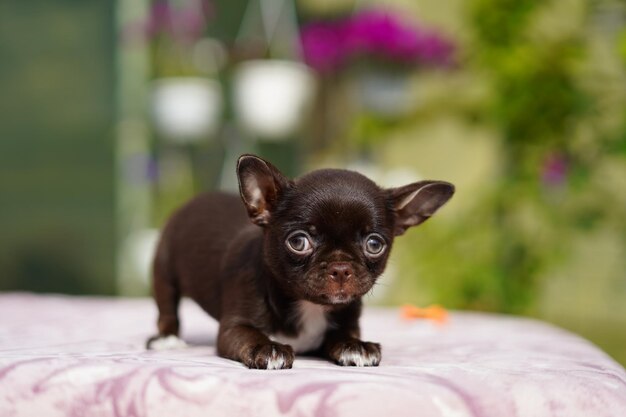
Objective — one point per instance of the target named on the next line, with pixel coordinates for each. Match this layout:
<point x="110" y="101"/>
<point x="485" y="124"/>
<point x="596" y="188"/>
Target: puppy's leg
<point x="342" y="344"/>
<point x="167" y="297"/>
<point x="251" y="347"/>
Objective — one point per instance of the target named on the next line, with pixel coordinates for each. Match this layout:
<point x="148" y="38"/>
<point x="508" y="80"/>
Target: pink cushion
<point x="67" y="356"/>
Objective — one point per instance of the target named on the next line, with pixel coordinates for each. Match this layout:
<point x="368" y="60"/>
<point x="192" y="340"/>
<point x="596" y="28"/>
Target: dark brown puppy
<point x="290" y="280"/>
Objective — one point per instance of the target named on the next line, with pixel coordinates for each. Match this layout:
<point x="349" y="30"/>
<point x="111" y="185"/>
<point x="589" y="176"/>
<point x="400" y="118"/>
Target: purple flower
<point x="185" y="23"/>
<point x="554" y="170"/>
<point x="160" y="18"/>
<point x="372" y="33"/>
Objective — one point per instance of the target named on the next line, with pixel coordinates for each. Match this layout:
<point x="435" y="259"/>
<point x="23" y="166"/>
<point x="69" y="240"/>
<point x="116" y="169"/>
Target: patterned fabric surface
<point x="65" y="356"/>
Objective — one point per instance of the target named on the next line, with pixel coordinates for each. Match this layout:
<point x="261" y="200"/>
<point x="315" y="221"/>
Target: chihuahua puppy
<point x="285" y="271"/>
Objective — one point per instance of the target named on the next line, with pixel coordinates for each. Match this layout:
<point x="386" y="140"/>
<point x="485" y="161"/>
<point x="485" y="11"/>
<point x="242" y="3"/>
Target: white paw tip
<point x="168" y="343"/>
<point x="276" y="361"/>
<point x="357" y="359"/>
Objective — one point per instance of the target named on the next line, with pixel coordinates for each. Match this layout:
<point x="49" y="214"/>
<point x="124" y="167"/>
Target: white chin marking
<point x="348" y="358"/>
<point x="167" y="343"/>
<point x="276" y="360"/>
<point x="340" y="299"/>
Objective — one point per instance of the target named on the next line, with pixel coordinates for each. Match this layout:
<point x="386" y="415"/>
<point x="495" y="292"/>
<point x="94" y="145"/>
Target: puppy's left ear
<point x="417" y="202"/>
<point x="260" y="185"/>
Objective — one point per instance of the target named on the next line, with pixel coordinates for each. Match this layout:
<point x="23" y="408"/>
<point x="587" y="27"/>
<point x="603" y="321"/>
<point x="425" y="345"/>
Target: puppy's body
<point x="190" y="253"/>
<point x="290" y="281"/>
<point x="211" y="252"/>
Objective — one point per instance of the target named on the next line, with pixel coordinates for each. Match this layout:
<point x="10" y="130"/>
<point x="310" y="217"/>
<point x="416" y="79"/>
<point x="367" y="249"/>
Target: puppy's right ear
<point x="260" y="185"/>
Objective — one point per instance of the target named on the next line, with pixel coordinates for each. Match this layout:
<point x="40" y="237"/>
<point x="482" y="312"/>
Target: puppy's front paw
<point x="356" y="353"/>
<point x="270" y="356"/>
<point x="170" y="342"/>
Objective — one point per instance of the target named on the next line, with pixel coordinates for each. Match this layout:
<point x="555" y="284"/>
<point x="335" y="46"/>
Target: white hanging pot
<point x="272" y="97"/>
<point x="186" y="109"/>
<point x="388" y="94"/>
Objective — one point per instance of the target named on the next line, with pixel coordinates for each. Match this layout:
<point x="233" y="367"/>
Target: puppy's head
<point x="328" y="233"/>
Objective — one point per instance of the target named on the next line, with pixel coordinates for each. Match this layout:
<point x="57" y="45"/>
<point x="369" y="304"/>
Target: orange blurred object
<point x="435" y="313"/>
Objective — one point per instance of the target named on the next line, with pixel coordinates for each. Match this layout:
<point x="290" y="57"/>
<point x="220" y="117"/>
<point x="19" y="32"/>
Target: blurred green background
<point x="114" y="113"/>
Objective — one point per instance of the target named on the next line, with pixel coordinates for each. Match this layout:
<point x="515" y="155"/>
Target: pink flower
<point x="322" y="45"/>
<point x="372" y="33"/>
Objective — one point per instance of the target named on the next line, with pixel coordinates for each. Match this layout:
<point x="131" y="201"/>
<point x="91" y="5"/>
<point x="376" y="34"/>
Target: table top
<point x="85" y="356"/>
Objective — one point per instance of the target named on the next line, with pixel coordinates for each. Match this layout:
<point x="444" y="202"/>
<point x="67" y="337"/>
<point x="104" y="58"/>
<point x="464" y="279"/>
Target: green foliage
<point x="499" y="24"/>
<point x="495" y="254"/>
<point x="535" y="91"/>
<point x="534" y="101"/>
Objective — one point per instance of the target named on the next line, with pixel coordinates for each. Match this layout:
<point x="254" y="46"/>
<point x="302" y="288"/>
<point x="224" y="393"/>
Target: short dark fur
<point x="242" y="273"/>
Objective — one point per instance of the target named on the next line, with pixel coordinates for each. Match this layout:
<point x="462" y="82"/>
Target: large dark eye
<point x="374" y="245"/>
<point x="299" y="242"/>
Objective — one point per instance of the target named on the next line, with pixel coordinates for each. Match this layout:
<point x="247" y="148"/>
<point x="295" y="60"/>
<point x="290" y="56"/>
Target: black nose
<point x="340" y="271"/>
